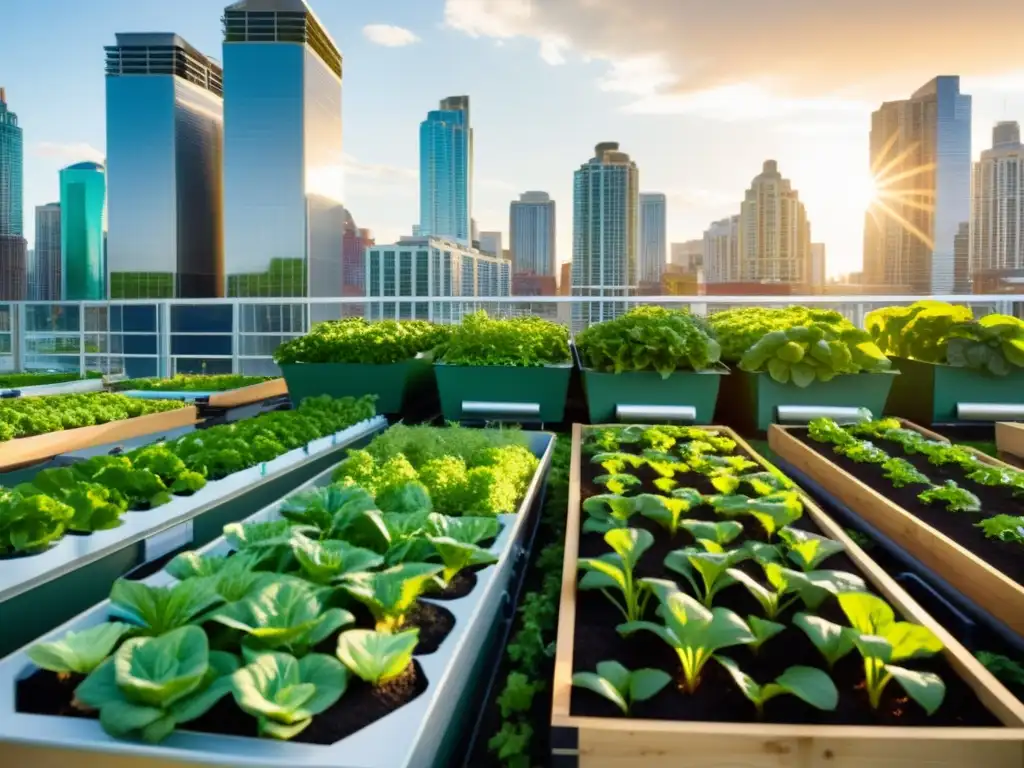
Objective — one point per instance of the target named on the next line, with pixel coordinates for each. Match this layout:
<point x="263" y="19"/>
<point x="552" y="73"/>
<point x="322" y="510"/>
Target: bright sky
<point x="699" y="93"/>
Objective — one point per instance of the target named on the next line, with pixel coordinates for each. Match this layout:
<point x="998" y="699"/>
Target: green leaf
<point x="808" y="550"/>
<point x="79" y="652"/>
<point x="377" y="657"/>
<point x="926" y="688"/>
<point x="779" y="370"/>
<point x="832" y="640"/>
<point x="160" y="609"/>
<point x="332" y="560"/>
<point x="458" y="555"/>
<point x="665" y="511"/>
<point x="602" y="687"/>
<point x="763" y="630"/>
<point x="721" y="532"/>
<point x="390" y="594"/>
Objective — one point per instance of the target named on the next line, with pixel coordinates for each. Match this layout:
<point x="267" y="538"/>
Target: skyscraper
<point x="688" y="255"/>
<point x="490" y="243"/>
<point x="446" y="172"/>
<point x="83" y="200"/>
<point x="606" y="233"/>
<point x="653" y="237"/>
<point x="283" y="218"/>
<point x="353" y="264"/>
<point x="47" y="283"/>
<point x="997" y="226"/>
<point x="921" y="156"/>
<point x="721" y="252"/>
<point x="774" y="234"/>
<point x="165" y="140"/>
<point x="531" y="231"/>
<point x="11" y="168"/>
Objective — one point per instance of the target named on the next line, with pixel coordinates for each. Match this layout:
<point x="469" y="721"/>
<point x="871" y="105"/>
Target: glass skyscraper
<point x="283" y="216"/>
<point x="46" y="284"/>
<point x="921" y="149"/>
<point x="531" y="231"/>
<point x="165" y="137"/>
<point x="83" y="199"/>
<point x="653" y="237"/>
<point x="446" y="172"/>
<point x="12" y="243"/>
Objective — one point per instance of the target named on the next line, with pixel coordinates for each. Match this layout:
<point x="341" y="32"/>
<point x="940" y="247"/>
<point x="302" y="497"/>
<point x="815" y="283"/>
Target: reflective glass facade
<point x="653" y="237"/>
<point x="532" y="234"/>
<point x="164" y="152"/>
<point x="83" y="197"/>
<point x="46" y="283"/>
<point x="11" y="169"/>
<point x="446" y="167"/>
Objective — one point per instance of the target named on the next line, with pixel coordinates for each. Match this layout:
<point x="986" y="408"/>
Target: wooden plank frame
<point x="253" y="393"/>
<point x="990" y="588"/>
<point x="592" y="742"/>
<point x="1010" y="441"/>
<point x="27" y="450"/>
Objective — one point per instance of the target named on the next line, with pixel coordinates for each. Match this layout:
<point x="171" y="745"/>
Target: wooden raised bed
<point x="620" y="742"/>
<point x="26" y="450"/>
<point x="990" y="588"/>
<point x="1010" y="440"/>
<point x="254" y="393"/>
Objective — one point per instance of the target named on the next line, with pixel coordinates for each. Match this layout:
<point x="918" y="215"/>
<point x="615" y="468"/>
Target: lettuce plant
<point x="694" y="632"/>
<point x="153" y="684"/>
<point x="621" y="686"/>
<point x="614" y="571"/>
<point x="772" y="598"/>
<point x="518" y="341"/>
<point x="459" y="555"/>
<point x="955" y="498"/>
<point x="808" y="684"/>
<point x="721" y="532"/>
<point x="1004" y="528"/>
<point x="377" y="657"/>
<point x="392" y="593"/>
<point x="284" y="693"/>
<point x="667" y="511"/>
<point x="157" y="610"/>
<point x="96" y="507"/>
<point x="808" y="550"/>
<point x="332" y="560"/>
<point x="882" y="641"/>
<point x="606" y="511"/>
<point x="617" y="484"/>
<point x="79" y="653"/>
<point x="833" y="641"/>
<point x="763" y="631"/>
<point x="773" y="511"/>
<point x="902" y="473"/>
<point x="713" y="566"/>
<point x="615" y="462"/>
<point x="31" y="523"/>
<point x="862" y="452"/>
<point x="337" y="512"/>
<point x="471" y="530"/>
<point x="814" y="587"/>
<point x="286" y="614"/>
<point x="765" y="483"/>
<point x="356" y="340"/>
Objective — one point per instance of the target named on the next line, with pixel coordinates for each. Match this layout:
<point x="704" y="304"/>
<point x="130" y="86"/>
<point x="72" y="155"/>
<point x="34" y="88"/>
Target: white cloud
<point x="75" y="152"/>
<point x="389" y="35"/>
<point x="378" y="172"/>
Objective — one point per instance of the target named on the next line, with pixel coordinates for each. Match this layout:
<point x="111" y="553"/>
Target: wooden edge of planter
<point x="981" y="456"/>
<point x="990" y="588"/>
<point x="25" y="450"/>
<point x="250" y="394"/>
<point x="1010" y="439"/>
<point x="618" y="742"/>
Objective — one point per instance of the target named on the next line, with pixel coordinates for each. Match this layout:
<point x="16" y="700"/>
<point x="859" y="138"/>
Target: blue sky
<point x="697" y="99"/>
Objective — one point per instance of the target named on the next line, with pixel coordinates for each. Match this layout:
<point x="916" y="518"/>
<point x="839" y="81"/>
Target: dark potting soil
<point x="435" y="624"/>
<point x="45" y="693"/>
<point x="460" y="586"/>
<point x="718" y="699"/>
<point x="1004" y="556"/>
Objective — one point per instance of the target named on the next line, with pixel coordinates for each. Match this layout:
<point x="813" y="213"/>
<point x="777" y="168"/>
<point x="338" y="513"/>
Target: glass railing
<point x="161" y="338"/>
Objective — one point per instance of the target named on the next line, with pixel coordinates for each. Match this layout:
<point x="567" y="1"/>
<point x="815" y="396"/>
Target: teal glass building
<point x="446" y="172"/>
<point x="83" y="197"/>
<point x="11" y="165"/>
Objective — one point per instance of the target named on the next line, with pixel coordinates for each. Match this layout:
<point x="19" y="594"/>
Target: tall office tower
<point x="531" y="232"/>
<point x="490" y="243"/>
<point x="446" y="172"/>
<point x="12" y="243"/>
<point x="775" y="236"/>
<point x="688" y="255"/>
<point x="47" y="282"/>
<point x="997" y="225"/>
<point x="653" y="237"/>
<point x="921" y="156"/>
<point x="721" y="251"/>
<point x="283" y="218"/>
<point x="816" y="268"/>
<point x="606" y="233"/>
<point x="83" y="200"/>
<point x="165" y="142"/>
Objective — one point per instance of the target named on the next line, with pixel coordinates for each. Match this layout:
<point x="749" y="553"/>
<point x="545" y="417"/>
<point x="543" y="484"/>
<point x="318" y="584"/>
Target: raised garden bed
<point x="1010" y="441"/>
<point x="933" y="393"/>
<point x="827" y="718"/>
<point x="985" y="569"/>
<point x="72" y="568"/>
<point x="227" y="391"/>
<point x="39" y="384"/>
<point x="410" y="717"/>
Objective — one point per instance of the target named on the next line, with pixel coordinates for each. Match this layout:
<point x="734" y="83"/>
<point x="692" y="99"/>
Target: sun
<point x="863" y="191"/>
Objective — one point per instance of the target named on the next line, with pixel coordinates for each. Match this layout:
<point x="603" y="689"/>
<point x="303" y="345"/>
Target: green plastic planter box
<point x="545" y="386"/>
<point x="748" y="401"/>
<point x="605" y="391"/>
<point x="927" y="393"/>
<point x="393" y="383"/>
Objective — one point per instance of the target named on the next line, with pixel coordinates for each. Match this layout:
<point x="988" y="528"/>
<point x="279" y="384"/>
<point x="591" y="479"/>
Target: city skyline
<point x="704" y="182"/>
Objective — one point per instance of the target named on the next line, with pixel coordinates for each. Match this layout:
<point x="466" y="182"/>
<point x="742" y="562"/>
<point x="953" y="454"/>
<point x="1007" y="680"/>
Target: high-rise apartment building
<point x="83" y="200"/>
<point x="774" y="234"/>
<point x="997" y="224"/>
<point x="13" y="277"/>
<point x="446" y="172"/>
<point x="606" y="234"/>
<point x="721" y="251"/>
<point x="45" y="284"/>
<point x="921" y="154"/>
<point x="490" y="243"/>
<point x="653" y="237"/>
<point x="283" y="217"/>
<point x="165" y="142"/>
<point x="421" y="268"/>
<point x="531" y="231"/>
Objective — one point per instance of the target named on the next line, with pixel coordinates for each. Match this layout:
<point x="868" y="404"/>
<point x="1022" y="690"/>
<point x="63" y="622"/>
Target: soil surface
<point x="460" y="586"/>
<point x="961" y="527"/>
<point x="718" y="699"/>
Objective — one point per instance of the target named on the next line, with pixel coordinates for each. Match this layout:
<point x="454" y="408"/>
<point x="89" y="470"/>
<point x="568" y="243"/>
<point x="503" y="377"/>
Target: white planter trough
<point x="38" y="592"/>
<point x="414" y="736"/>
<point x="73" y="387"/>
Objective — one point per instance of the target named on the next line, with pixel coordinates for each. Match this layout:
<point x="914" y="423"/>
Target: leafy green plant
<point x="882" y="641"/>
<point x="720" y="533"/>
<point x="648" y="338"/>
<point x="518" y="695"/>
<point x="606" y="511"/>
<point x="332" y="560"/>
<point x="902" y="473"/>
<point x="377" y="657"/>
<point x="773" y="512"/>
<point x="825" y="430"/>
<point x="808" y="684"/>
<point x="1004" y="668"/>
<point x="511" y="743"/>
<point x="355" y="340"/>
<point x="1004" y="528"/>
<point x="79" y="653"/>
<point x="158" y="610"/>
<point x="617" y="484"/>
<point x="772" y="598"/>
<point x="30" y="524"/>
<point x="36" y="379"/>
<point x="189" y="382"/>
<point x="519" y="341"/>
<point x="615" y="462"/>
<point x="667" y="511"/>
<point x="955" y="498"/>
<point x="392" y="593"/>
<point x="833" y="641"/>
<point x="711" y="564"/>
<point x="29" y="416"/>
<point x="808" y="550"/>
<point x="621" y="686"/>
<point x="694" y="632"/>
<point x="614" y="571"/>
<point x="459" y="555"/>
<point x="862" y="452"/>
<point x="284" y="693"/>
<point x="153" y="684"/>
